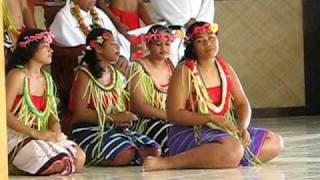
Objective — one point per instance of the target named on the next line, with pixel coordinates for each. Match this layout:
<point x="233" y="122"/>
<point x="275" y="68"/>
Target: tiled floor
<point x="299" y="160"/>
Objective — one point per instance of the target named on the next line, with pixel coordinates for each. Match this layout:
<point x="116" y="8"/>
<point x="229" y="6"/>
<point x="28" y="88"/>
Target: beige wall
<point x="263" y="40"/>
<point x="3" y="129"/>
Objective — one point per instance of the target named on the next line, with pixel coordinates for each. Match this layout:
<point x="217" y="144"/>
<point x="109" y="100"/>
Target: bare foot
<point x="152" y="163"/>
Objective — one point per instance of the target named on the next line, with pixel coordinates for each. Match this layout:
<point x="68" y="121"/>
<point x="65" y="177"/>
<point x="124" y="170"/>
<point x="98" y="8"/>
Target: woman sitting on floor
<point x="36" y="144"/>
<point x="148" y="84"/>
<point x="203" y="93"/>
<point x="98" y="102"/>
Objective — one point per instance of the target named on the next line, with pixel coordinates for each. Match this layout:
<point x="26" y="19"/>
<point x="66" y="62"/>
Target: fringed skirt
<point x="112" y="142"/>
<point x="155" y="129"/>
<point x="182" y="138"/>
<point x="38" y="157"/>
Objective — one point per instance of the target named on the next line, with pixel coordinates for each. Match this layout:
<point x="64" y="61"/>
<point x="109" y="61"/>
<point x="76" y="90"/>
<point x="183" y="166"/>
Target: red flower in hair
<point x="201" y="29"/>
<point x="138" y="55"/>
<point x="190" y="64"/>
<point x="136" y="39"/>
<point x="159" y="36"/>
<point x="204" y="28"/>
<point x="93" y="44"/>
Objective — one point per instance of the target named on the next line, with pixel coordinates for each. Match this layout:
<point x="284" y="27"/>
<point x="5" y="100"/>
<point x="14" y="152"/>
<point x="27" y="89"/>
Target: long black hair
<point x="22" y="55"/>
<point x="90" y="56"/>
<point x="190" y="51"/>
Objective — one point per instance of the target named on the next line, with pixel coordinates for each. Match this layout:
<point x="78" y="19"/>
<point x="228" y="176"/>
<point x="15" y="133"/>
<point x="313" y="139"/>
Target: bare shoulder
<point x="228" y="66"/>
<point x="143" y="60"/>
<point x="15" y="76"/>
<point x="81" y="75"/>
<point x="230" y="69"/>
<point x="180" y="73"/>
<point x="181" y="67"/>
<point x="14" y="81"/>
<point x="223" y="61"/>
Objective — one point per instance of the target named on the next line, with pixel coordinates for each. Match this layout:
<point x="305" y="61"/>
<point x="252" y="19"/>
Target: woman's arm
<point x="28" y="17"/>
<point x="240" y="100"/>
<point x="54" y="125"/>
<point x="138" y="102"/>
<point x="144" y="14"/>
<point x="14" y="83"/>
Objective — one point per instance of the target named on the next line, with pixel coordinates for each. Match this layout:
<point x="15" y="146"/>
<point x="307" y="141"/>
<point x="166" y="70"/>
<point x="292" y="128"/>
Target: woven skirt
<point x="109" y="144"/>
<point x="182" y="138"/>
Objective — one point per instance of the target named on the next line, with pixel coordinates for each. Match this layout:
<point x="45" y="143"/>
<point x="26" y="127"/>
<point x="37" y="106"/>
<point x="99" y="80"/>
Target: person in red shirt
<point x="126" y="14"/>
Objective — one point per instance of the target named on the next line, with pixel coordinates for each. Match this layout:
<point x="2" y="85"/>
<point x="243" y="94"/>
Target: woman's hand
<point x="245" y="137"/>
<point x="223" y="123"/>
<point x="46" y="136"/>
<point x="124" y="119"/>
<point x="123" y="29"/>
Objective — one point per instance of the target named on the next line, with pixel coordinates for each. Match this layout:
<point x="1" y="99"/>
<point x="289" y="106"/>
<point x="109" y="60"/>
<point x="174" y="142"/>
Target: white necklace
<point x="201" y="90"/>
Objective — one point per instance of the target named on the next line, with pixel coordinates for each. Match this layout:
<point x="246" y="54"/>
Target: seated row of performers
<point x="156" y="115"/>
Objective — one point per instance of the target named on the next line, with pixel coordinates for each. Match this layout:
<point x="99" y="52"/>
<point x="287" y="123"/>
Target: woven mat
<point x="263" y="41"/>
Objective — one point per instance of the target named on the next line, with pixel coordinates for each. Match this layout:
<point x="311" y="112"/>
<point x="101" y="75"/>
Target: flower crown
<point x="158" y="36"/>
<point x="151" y="36"/>
<point x="98" y="41"/>
<point x="46" y="36"/>
<point x="204" y="28"/>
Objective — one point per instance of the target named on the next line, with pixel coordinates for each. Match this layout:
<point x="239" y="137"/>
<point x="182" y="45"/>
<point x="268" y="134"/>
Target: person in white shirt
<point x="183" y="13"/>
<point x="75" y="20"/>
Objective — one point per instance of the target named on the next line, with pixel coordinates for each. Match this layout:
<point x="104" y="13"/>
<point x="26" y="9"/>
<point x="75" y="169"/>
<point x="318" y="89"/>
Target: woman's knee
<point x="125" y="158"/>
<point x="232" y="152"/>
<point x="276" y="141"/>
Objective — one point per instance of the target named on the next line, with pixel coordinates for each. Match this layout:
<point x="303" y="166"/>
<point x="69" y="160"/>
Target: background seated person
<point x="148" y="84"/>
<point x="98" y="102"/>
<point x="74" y="21"/>
<point x="127" y="13"/>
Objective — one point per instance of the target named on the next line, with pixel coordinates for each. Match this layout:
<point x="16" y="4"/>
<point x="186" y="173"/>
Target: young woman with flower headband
<point x="36" y="144"/>
<point x="98" y="102"/>
<point x="203" y="94"/>
<point x="148" y="84"/>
